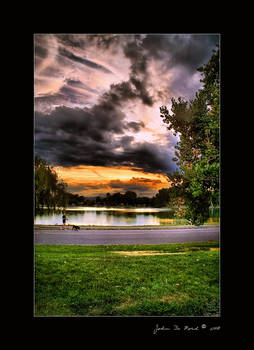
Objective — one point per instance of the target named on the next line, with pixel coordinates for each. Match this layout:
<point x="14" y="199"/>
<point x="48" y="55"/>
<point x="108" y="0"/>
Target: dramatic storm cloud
<point x="97" y="99"/>
<point x="96" y="136"/>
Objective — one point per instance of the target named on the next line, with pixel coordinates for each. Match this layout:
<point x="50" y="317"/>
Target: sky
<point x="97" y="100"/>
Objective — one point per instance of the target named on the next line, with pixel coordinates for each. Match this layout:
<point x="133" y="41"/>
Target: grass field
<point x="127" y="280"/>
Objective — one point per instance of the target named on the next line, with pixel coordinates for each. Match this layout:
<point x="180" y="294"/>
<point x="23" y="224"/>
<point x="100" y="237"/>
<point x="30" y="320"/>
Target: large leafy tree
<point x="197" y="122"/>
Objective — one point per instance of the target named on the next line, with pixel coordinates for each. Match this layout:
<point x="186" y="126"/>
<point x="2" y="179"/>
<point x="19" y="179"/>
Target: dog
<point x="75" y="227"/>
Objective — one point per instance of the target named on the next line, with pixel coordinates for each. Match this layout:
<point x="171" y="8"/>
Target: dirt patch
<point x="174" y="297"/>
<point x="145" y="252"/>
<point x="124" y="305"/>
<point x="214" y="249"/>
<point x="96" y="311"/>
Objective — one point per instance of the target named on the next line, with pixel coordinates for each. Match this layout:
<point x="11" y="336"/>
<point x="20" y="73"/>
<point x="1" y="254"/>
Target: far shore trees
<point x="50" y="192"/>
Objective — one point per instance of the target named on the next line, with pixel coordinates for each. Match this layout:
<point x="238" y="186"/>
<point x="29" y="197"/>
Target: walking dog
<point x="75" y="227"/>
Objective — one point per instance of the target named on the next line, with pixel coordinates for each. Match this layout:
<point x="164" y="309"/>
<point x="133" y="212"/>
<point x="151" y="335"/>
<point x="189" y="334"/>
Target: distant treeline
<point x="129" y="198"/>
<point x="50" y="192"/>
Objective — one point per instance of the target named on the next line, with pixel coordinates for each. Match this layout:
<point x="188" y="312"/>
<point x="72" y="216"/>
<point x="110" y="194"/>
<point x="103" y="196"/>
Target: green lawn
<point x="122" y="280"/>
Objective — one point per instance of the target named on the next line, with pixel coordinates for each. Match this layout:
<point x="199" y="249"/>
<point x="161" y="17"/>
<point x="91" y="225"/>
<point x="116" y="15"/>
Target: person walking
<point x="64" y="218"/>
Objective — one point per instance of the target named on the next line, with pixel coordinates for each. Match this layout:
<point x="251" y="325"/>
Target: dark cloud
<point x="123" y="92"/>
<point x="74" y="136"/>
<point x="125" y="141"/>
<point x="186" y="50"/>
<point x="69" y="93"/>
<point x="39" y="55"/>
<point x="73" y="95"/>
<point x="137" y="56"/>
<point x="136" y="86"/>
<point x="40" y="46"/>
<point x="96" y="136"/>
<point x="135" y="126"/>
<point x="116" y="95"/>
<point x="71" y="40"/>
<point x="41" y="51"/>
<point x="66" y="94"/>
<point x="51" y="72"/>
<point x="65" y="53"/>
<point x="138" y="185"/>
<point x="75" y="83"/>
<point x="183" y="52"/>
<point x="148" y="156"/>
<point x="138" y="69"/>
<point x="106" y="41"/>
<point x="44" y="102"/>
<point x="142" y="92"/>
<point x="79" y="84"/>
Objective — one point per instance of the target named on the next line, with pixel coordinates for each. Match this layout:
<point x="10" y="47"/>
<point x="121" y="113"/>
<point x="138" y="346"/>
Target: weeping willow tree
<point x="49" y="191"/>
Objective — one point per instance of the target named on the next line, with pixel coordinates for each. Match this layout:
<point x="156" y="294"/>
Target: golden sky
<point x="91" y="181"/>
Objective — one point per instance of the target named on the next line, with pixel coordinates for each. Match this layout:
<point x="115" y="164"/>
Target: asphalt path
<point x="129" y="236"/>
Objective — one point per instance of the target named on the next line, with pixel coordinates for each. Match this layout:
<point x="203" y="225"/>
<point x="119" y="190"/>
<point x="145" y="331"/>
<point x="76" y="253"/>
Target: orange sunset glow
<point x="91" y="180"/>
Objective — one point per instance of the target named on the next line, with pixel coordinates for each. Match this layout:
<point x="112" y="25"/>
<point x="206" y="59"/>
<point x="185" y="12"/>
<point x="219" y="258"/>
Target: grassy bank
<point x="168" y="280"/>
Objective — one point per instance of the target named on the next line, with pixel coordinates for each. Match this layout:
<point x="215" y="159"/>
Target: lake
<point x="112" y="216"/>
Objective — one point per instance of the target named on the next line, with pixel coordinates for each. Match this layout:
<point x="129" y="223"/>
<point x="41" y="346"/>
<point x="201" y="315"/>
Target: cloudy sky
<point x="97" y="100"/>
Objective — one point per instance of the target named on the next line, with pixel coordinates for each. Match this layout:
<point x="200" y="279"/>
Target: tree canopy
<point x="197" y="122"/>
<point x="49" y="190"/>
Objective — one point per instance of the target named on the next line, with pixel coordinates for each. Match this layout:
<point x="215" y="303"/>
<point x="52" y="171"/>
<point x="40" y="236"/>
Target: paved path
<point x="143" y="236"/>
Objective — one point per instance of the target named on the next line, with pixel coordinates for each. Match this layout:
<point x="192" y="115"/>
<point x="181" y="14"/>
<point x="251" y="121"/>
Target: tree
<point x="196" y="122"/>
<point x="49" y="191"/>
<point x="61" y="194"/>
<point x="162" y="198"/>
<point x="130" y="198"/>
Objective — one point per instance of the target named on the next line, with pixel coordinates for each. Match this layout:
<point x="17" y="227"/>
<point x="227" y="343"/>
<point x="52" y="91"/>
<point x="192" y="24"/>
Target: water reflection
<point x="112" y="216"/>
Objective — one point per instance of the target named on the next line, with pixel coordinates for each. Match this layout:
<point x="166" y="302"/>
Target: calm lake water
<point x="111" y="216"/>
